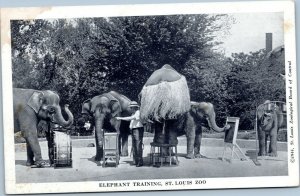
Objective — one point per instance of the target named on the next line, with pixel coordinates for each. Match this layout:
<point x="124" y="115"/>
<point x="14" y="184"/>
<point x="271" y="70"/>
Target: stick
<point x="255" y="161"/>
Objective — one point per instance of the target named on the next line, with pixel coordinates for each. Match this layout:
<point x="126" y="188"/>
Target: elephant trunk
<point x="98" y="128"/>
<point x="59" y="119"/>
<point x="99" y="120"/>
<point x="211" y="118"/>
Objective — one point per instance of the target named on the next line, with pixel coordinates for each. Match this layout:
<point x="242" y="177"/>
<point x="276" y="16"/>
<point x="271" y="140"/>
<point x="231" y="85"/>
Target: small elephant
<point x="269" y="119"/>
<point x="105" y="108"/>
<point x="200" y="115"/>
<point x="189" y="124"/>
<point x="31" y="106"/>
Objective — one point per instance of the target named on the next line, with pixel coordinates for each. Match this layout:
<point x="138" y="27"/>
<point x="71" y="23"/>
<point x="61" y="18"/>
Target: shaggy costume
<point x="165" y="100"/>
<point x="164" y="97"/>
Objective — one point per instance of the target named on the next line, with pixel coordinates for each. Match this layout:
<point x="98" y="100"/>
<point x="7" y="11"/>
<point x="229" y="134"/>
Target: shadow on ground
<point x="92" y="159"/>
<point x="252" y="154"/>
<point x="21" y="162"/>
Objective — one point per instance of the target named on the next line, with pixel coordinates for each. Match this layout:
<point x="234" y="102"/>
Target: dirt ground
<point x="210" y="166"/>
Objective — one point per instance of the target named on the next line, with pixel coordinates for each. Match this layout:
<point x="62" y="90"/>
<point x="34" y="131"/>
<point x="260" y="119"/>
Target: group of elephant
<point x="164" y="96"/>
<point x="31" y="106"/>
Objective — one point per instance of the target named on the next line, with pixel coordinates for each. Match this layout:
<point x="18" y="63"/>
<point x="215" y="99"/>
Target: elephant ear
<point x="36" y="101"/>
<point x="194" y="107"/>
<point x="115" y="108"/>
<point x="260" y="112"/>
<point x="200" y="109"/>
<point x="86" y="107"/>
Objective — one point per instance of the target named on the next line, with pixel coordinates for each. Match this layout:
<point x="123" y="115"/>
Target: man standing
<point x="137" y="133"/>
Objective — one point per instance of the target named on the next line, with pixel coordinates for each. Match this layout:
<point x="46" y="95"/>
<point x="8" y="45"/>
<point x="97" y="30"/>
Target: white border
<point x="8" y="14"/>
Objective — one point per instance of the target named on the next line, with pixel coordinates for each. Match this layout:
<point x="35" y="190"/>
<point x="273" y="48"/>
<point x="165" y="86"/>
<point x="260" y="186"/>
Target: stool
<point x="160" y="156"/>
<point x="111" y="149"/>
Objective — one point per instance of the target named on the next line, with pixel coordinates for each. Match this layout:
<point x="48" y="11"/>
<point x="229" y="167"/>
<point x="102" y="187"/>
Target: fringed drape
<point x="165" y="100"/>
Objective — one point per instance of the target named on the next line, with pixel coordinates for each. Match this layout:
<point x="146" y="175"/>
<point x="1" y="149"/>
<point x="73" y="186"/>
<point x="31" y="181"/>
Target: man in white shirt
<point x="137" y="133"/>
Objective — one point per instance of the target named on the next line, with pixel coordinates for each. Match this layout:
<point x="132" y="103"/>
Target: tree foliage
<point x="83" y="57"/>
<point x="252" y="80"/>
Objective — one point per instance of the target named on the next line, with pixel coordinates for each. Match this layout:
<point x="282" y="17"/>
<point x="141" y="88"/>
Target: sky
<point x="249" y="32"/>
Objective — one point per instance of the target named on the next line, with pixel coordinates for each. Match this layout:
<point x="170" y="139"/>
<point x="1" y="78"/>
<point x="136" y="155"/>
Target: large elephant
<point x="104" y="108"/>
<point x="165" y="74"/>
<point x="189" y="124"/>
<point x="270" y="119"/>
<point x="164" y="97"/>
<point x="165" y="100"/>
<point x="31" y="106"/>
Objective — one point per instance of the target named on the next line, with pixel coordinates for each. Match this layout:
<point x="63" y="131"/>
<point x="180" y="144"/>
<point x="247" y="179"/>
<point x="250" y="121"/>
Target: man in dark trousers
<point x="137" y="133"/>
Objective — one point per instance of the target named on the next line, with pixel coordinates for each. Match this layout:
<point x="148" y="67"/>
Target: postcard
<point x="149" y="97"/>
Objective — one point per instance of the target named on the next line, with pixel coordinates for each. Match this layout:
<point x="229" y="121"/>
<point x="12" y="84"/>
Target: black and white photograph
<point x="149" y="97"/>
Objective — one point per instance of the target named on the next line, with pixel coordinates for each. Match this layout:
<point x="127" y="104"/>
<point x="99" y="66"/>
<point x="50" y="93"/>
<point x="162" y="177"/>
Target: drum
<point x="62" y="149"/>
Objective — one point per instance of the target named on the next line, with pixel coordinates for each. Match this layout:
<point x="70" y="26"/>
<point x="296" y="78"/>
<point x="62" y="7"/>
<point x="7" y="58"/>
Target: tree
<point x="252" y="80"/>
<point x="81" y="58"/>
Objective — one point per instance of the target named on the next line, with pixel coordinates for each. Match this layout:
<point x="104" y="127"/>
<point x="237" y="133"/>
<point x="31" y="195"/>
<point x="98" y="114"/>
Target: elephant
<point x="270" y="119"/>
<point x="189" y="124"/>
<point x="104" y="109"/>
<point x="165" y="100"/>
<point x="166" y="73"/>
<point x="30" y="106"/>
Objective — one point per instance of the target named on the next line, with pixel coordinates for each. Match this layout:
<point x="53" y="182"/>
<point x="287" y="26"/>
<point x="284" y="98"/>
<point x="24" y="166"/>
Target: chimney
<point x="268" y="42"/>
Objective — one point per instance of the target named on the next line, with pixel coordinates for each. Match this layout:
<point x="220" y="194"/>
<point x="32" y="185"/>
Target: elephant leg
<point x="32" y="139"/>
<point x="123" y="136"/>
<point x="159" y="137"/>
<point x="262" y="143"/>
<point x="120" y="145"/>
<point x="36" y="149"/>
<point x="28" y="124"/>
<point x="124" y="144"/>
<point x="171" y="131"/>
<point x="99" y="119"/>
<point x="190" y="134"/>
<point x="98" y="157"/>
<point x="266" y="143"/>
<point x="273" y="143"/>
<point x="197" y="144"/>
<point x="30" y="155"/>
<point x="99" y="146"/>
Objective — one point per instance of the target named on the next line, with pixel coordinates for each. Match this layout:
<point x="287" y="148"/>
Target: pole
<point x="255" y="161"/>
